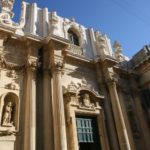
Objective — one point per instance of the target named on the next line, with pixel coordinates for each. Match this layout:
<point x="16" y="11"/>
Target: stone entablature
<point x="40" y="24"/>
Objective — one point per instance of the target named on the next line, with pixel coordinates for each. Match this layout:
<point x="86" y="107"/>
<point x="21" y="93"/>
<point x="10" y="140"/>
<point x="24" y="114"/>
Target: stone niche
<point x="9" y="107"/>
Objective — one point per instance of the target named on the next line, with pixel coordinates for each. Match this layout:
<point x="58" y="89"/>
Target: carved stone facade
<point x="63" y="88"/>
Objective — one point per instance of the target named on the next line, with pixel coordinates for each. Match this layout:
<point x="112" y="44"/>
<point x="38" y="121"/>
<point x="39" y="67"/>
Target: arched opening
<point x="73" y="37"/>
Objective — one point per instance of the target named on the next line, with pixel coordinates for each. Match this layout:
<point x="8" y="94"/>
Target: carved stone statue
<point x="7" y="5"/>
<point x="118" y="52"/>
<point x="86" y="100"/>
<point x="6" y="11"/>
<point x="7" y="114"/>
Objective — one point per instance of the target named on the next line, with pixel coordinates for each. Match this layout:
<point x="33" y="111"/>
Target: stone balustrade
<point x="75" y="49"/>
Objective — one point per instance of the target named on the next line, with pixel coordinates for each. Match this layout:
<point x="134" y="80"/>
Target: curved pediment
<point x="75" y="89"/>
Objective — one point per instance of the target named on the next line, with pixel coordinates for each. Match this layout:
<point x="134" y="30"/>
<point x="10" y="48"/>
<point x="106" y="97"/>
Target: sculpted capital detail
<point x="32" y="62"/>
<point x="59" y="65"/>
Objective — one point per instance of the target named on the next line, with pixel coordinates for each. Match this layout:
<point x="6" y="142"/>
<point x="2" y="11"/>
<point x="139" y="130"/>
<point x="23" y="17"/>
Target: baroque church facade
<point x="64" y="87"/>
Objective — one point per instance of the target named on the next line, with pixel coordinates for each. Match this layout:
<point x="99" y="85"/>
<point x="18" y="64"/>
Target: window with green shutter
<point x="87" y="131"/>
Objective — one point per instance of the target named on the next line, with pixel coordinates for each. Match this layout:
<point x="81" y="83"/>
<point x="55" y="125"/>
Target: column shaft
<point x="47" y="116"/>
<point x="118" y="116"/>
<point x="58" y="113"/>
<point x="30" y="112"/>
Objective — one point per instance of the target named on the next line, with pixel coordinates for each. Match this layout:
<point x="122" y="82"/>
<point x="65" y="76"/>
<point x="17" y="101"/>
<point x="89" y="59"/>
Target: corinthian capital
<point x="32" y="62"/>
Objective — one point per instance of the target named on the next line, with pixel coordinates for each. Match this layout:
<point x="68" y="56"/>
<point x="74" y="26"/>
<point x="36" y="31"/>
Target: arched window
<point x="74" y="39"/>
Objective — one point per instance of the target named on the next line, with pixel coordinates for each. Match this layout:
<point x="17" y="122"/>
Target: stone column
<point x="125" y="116"/>
<point x="111" y="80"/>
<point x="60" y="141"/>
<point x="48" y="134"/>
<point x="29" y="96"/>
<point x="71" y="122"/>
<point x="108" y="111"/>
<point x="118" y="116"/>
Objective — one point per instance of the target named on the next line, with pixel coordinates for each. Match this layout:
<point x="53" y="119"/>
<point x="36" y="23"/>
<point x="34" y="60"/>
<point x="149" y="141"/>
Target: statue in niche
<point x="8" y="114"/>
<point x="86" y="100"/>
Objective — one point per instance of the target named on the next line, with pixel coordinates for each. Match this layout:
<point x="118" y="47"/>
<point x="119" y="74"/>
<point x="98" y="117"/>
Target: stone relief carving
<point x="101" y="44"/>
<point x="12" y="74"/>
<point x="118" y="52"/>
<point x="82" y="96"/>
<point x="31" y="62"/>
<point x="12" y="86"/>
<point x="86" y="101"/>
<point x="2" y="61"/>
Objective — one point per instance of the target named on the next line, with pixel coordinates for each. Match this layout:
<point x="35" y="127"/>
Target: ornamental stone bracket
<point x="81" y="95"/>
<point x="6" y="14"/>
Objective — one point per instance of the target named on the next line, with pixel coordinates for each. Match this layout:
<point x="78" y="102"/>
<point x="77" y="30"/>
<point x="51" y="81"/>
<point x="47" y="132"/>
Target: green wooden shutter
<point x="85" y="130"/>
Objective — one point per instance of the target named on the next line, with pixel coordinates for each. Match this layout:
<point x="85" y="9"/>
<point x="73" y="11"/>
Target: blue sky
<point x="123" y="20"/>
